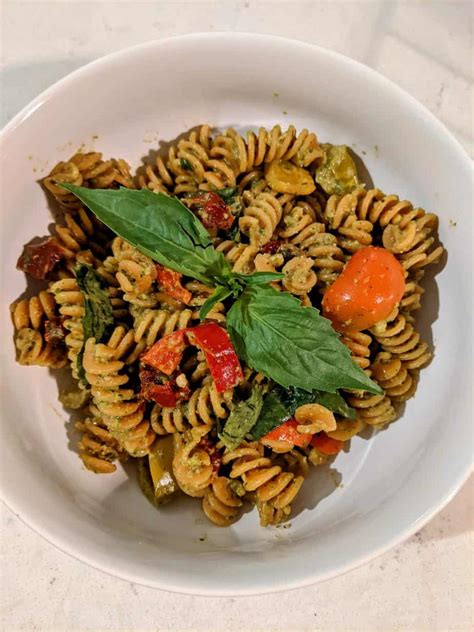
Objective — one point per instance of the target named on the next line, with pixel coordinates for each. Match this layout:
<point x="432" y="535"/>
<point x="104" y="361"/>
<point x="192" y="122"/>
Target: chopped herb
<point x="185" y="164"/>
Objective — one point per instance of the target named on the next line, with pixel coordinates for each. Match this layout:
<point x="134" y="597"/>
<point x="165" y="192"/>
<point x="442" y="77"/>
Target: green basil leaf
<point x="336" y="403"/>
<point x="159" y="226"/>
<point x="241" y="419"/>
<point x="273" y="414"/>
<point x="228" y="195"/>
<point x="293" y="345"/>
<point x="280" y="404"/>
<point x="259" y="278"/>
<point x="98" y="312"/>
<point x="220" y="294"/>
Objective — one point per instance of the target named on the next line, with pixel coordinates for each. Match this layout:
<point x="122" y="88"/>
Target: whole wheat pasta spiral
<point x="86" y="170"/>
<point x="275" y="489"/>
<point x="205" y="406"/>
<point x="374" y="410"/>
<point x="118" y="408"/>
<point x="98" y="449"/>
<point x="390" y="372"/>
<point x="32" y="348"/>
<point x="358" y="344"/>
<point x="192" y="465"/>
<point x="151" y="324"/>
<point x="221" y="503"/>
<point x="353" y="233"/>
<point x="260" y="218"/>
<point x="81" y="231"/>
<point x="399" y="337"/>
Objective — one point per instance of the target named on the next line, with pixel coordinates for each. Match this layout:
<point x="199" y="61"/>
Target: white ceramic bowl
<point x="391" y="485"/>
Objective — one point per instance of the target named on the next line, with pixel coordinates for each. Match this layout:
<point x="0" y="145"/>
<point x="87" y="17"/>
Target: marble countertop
<point x="423" y="584"/>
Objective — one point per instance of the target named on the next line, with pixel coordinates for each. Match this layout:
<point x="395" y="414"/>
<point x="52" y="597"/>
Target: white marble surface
<point x="424" y="584"/>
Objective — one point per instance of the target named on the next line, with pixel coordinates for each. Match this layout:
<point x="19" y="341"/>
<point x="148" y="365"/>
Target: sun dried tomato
<point x="38" y="260"/>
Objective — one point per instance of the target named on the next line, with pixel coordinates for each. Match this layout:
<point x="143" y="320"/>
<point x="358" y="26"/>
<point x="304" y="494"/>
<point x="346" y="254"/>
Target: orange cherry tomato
<point x="288" y="432"/>
<point x="367" y="290"/>
<point x="326" y="444"/>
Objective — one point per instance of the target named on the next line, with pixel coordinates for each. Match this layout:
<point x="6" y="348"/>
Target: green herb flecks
<point x="185" y="164"/>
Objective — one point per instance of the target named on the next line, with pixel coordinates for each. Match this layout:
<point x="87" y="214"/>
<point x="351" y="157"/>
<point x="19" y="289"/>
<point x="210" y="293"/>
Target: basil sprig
<point x="292" y="345"/>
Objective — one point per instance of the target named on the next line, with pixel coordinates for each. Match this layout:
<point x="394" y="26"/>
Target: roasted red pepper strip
<point x="287" y="432"/>
<point x="271" y="248"/>
<point x="38" y="260"/>
<point x="170" y="282"/>
<point x="212" y="210"/>
<point x="165" y="393"/>
<point x="224" y="365"/>
<point x="220" y="355"/>
<point x="214" y="454"/>
<point x="326" y="444"/>
<point x="166" y="354"/>
<point x="54" y="331"/>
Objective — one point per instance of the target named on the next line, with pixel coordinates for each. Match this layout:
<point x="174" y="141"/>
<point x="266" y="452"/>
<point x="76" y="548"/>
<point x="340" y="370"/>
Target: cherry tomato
<point x="288" y="432"/>
<point x="326" y="444"/>
<point x="367" y="290"/>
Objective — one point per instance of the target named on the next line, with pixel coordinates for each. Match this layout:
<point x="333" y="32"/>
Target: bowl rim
<point x="191" y="587"/>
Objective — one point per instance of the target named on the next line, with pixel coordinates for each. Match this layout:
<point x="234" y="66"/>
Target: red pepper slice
<point x="54" y="331"/>
<point x="220" y="355"/>
<point x="224" y="365"/>
<point x="326" y="444"/>
<point x="170" y="282"/>
<point x="166" y="354"/>
<point x="38" y="260"/>
<point x="288" y="432"/>
<point x="212" y="210"/>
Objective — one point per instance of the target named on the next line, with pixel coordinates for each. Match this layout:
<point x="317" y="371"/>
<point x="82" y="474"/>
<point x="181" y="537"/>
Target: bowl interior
<point x="370" y="497"/>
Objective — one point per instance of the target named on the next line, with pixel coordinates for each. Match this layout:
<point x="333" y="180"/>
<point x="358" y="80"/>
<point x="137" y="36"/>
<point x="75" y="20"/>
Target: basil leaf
<point x="159" y="226"/>
<point x="241" y="419"/>
<point x="98" y="312"/>
<point x="280" y="405"/>
<point x="273" y="414"/>
<point x="336" y="403"/>
<point x="293" y="345"/>
<point x="220" y="293"/>
<point x="259" y="278"/>
<point x="228" y="195"/>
